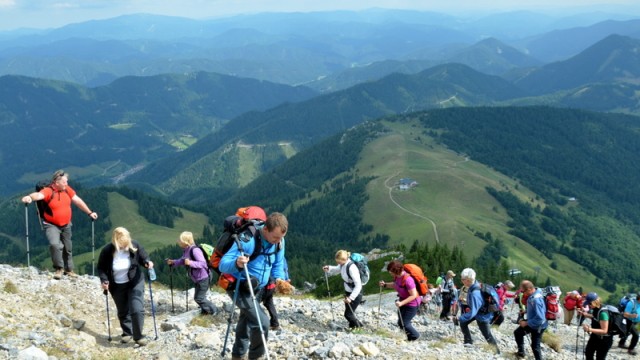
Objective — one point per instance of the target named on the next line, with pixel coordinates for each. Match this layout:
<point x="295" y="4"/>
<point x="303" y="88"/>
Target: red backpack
<point x="551" y="301"/>
<point x="418" y="276"/>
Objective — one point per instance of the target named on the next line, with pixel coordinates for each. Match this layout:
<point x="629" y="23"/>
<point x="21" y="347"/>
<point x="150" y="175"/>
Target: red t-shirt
<point x="60" y="204"/>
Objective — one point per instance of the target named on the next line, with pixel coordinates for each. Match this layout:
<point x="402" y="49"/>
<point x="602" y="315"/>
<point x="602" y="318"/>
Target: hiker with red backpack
<point x="534" y="321"/>
<point x="58" y="197"/>
<point x="408" y="297"/>
<point x="352" y="285"/>
<point x="474" y="309"/>
<point x="194" y="258"/>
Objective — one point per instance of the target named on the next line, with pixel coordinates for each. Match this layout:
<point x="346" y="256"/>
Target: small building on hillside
<point x="406" y="184"/>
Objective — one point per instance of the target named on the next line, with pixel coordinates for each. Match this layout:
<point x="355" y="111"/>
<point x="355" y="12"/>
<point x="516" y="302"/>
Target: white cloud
<point x="7" y="3"/>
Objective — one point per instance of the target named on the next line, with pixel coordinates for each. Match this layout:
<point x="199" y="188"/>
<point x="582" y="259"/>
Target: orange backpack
<point x="418" y="276"/>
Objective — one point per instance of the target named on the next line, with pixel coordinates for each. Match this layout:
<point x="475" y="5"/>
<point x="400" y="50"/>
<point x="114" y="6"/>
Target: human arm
<point x="77" y="201"/>
<point x="603" y="321"/>
<point x="34" y="196"/>
<point x="354" y="275"/>
<point x="474" y="302"/>
<point x="196" y="259"/>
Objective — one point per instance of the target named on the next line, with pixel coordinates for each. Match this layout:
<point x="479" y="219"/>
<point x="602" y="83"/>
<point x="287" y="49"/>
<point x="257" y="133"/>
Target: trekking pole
<point x="400" y="315"/>
<point x="379" y="303"/>
<point x="354" y="314"/>
<point x="26" y="225"/>
<point x="106" y="299"/>
<point x="226" y="336"/>
<point x="326" y="277"/>
<point x="584" y="334"/>
<point x="173" y="309"/>
<point x="186" y="290"/>
<point x="153" y="309"/>
<point x="577" y="338"/>
<point x="93" y="249"/>
<point x="253" y="297"/>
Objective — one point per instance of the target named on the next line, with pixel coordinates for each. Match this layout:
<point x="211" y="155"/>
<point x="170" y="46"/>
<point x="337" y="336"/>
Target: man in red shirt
<point x="57" y="223"/>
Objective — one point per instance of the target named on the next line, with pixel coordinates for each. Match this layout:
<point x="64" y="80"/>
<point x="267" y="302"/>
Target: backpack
<point x="207" y="252"/>
<point x="490" y="299"/>
<point x="418" y="276"/>
<point x="243" y="225"/>
<point x="361" y="262"/>
<point x="624" y="301"/>
<point x="551" y="301"/>
<point x="42" y="206"/>
<point x="617" y="322"/>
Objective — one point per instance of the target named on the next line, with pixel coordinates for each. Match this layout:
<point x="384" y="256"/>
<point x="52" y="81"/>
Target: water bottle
<point x="152" y="274"/>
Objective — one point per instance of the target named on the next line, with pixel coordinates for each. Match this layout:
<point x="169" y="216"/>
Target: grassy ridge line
<point x="451" y="192"/>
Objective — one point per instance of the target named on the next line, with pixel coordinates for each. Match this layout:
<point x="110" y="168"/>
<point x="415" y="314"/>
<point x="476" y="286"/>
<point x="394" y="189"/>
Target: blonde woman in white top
<point x="352" y="285"/>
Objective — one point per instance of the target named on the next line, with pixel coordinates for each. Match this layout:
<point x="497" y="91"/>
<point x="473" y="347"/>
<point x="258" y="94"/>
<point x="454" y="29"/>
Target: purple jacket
<point x="199" y="268"/>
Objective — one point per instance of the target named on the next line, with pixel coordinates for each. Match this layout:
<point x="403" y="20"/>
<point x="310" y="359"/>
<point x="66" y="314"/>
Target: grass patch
<point x="10" y="287"/>
<point x="552" y="341"/>
<point x="444" y="342"/>
<point x="201" y="320"/>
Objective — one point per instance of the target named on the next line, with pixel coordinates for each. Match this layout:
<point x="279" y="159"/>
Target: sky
<point x="42" y="14"/>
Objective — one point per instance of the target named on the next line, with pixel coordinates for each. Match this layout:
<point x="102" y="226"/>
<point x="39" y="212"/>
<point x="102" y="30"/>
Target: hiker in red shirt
<point x="57" y="223"/>
<point x="570" y="302"/>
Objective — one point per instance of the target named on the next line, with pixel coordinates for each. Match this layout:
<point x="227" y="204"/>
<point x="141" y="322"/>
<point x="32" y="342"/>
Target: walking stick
<point x="255" y="303"/>
<point x="106" y="298"/>
<point x="226" y="336"/>
<point x="26" y="223"/>
<point x="153" y="308"/>
<point x="379" y="303"/>
<point x="186" y="289"/>
<point x="326" y="277"/>
<point x="93" y="249"/>
<point x="173" y="309"/>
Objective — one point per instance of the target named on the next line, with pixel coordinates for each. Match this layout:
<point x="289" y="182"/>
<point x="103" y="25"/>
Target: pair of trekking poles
<point x="255" y="306"/>
<point x="153" y="310"/>
<point x="93" y="243"/>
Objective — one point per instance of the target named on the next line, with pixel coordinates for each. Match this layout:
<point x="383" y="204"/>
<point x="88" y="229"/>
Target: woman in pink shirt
<point x="408" y="299"/>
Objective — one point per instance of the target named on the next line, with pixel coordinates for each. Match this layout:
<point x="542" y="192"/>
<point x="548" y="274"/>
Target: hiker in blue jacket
<point x="269" y="263"/>
<point x="632" y="314"/>
<point x="472" y="309"/>
<point x="535" y="322"/>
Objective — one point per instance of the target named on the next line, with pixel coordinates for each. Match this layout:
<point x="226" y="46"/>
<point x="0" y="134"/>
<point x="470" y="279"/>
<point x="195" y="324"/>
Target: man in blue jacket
<point x="268" y="263"/>
<point x="535" y="322"/>
<point x="472" y="310"/>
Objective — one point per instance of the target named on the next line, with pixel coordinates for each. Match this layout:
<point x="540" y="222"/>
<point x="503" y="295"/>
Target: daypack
<point x="490" y="299"/>
<point x="42" y="206"/>
<point x="418" y="276"/>
<point x="243" y="225"/>
<point x="624" y="301"/>
<point x="617" y="322"/>
<point x="551" y="300"/>
<point x="207" y="252"/>
<point x="361" y="262"/>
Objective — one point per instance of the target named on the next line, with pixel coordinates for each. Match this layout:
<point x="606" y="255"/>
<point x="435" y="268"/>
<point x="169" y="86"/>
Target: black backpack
<point x="618" y="325"/>
<point x="42" y="206"/>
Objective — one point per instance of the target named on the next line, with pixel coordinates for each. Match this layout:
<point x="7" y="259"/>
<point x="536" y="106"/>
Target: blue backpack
<point x="490" y="299"/>
<point x="363" y="268"/>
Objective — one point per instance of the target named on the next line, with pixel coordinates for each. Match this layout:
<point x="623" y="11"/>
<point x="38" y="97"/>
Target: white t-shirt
<point x="121" y="265"/>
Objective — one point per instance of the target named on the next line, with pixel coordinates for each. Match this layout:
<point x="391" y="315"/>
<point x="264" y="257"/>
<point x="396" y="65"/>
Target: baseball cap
<point x="590" y="298"/>
<point x="451" y="273"/>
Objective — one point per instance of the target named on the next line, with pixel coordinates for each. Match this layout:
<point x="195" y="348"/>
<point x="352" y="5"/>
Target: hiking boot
<point x="142" y="341"/>
<point x="623" y="346"/>
<point x="274" y="328"/>
<point x="520" y="355"/>
<point x="58" y="274"/>
<point x="125" y="339"/>
<point x="632" y="352"/>
<point x="71" y="274"/>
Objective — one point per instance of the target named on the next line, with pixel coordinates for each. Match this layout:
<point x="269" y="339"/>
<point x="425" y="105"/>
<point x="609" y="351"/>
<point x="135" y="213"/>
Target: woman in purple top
<point x="408" y="299"/>
<point x="193" y="257"/>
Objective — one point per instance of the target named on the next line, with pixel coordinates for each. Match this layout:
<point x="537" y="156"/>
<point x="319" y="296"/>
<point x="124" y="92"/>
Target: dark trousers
<point x="498" y="318"/>
<point x="634" y="337"/>
<point x="267" y="301"/>
<point x="485" y="329"/>
<point x="201" y="288"/>
<point x="129" y="300"/>
<point x="349" y="310"/>
<point x="536" y="336"/>
<point x="598" y="345"/>
<point x="446" y="305"/>
<point x="407" y="313"/>
<point x="60" y="246"/>
<point x="248" y="334"/>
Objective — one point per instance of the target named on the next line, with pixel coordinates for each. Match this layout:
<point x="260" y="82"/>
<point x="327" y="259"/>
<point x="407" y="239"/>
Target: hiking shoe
<point x="71" y="274"/>
<point x="58" y="274"/>
<point x="142" y="341"/>
<point x="632" y="352"/>
<point x="623" y="346"/>
<point x="274" y="328"/>
<point x="125" y="339"/>
<point x="520" y="355"/>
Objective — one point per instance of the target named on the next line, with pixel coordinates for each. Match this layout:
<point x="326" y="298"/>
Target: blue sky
<point x="54" y="13"/>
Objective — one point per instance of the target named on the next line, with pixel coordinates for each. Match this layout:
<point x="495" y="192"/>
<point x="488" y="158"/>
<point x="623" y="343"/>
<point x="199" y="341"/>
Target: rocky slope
<point x="42" y="318"/>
